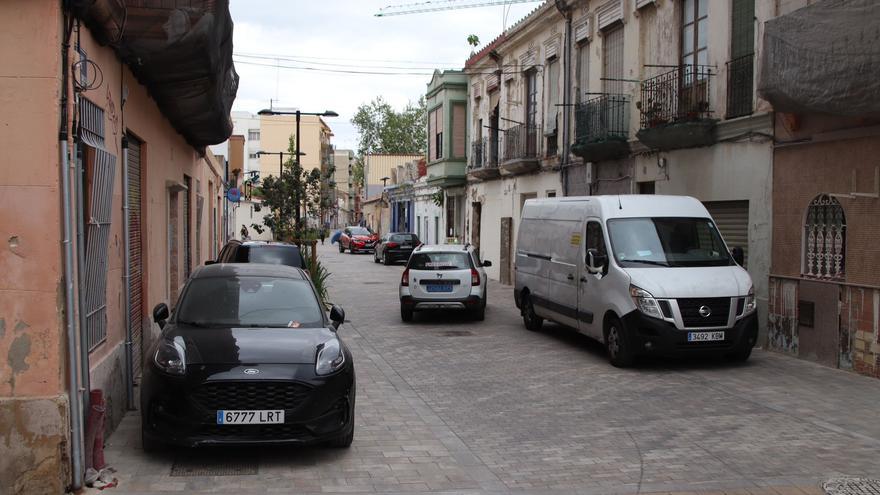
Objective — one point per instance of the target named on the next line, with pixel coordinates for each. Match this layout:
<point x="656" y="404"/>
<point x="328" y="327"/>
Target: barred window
<point x="825" y="239"/>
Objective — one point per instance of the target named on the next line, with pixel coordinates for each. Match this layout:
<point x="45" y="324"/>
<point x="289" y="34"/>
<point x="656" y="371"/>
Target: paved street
<point x="448" y="405"/>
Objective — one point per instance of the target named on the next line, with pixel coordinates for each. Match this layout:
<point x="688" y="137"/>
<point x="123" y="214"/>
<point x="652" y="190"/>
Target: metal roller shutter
<point x="135" y="283"/>
<point x="732" y="219"/>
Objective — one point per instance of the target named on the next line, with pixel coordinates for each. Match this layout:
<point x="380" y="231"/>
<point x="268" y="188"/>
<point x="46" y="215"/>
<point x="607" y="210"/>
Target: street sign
<point x="233" y="194"/>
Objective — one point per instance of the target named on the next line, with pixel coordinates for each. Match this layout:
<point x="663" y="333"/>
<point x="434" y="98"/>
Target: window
<point x="675" y="242"/>
<point x="595" y="238"/>
<point x="440" y="261"/>
<point x="458" y="130"/>
<point x="253" y="156"/>
<point x="825" y="239"/>
<point x="740" y="68"/>
<point x="646" y="187"/>
<point x="436" y="230"/>
<point x="583" y="72"/>
<point x="435" y="134"/>
<point x="531" y="99"/>
<point x="612" y="61"/>
<point x="253" y="134"/>
<point x="552" y="94"/>
<point x="694" y="32"/>
<point x="419" y="225"/>
<point x="551" y="193"/>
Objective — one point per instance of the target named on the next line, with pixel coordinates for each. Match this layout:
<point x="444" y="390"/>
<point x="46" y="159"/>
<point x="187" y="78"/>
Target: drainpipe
<point x="76" y="412"/>
<point x="565" y="11"/>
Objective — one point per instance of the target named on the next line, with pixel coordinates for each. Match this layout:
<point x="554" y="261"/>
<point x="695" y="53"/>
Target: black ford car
<point x="249" y="356"/>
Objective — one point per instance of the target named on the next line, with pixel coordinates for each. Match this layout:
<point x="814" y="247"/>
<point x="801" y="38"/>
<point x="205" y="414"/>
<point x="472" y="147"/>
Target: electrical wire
<point x="275" y="55"/>
<point x="352" y="71"/>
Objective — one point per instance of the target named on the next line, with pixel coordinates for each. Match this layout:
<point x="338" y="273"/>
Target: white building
<point x="248" y="125"/>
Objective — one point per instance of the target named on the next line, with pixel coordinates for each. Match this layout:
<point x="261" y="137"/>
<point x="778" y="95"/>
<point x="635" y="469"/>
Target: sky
<point x="344" y="35"/>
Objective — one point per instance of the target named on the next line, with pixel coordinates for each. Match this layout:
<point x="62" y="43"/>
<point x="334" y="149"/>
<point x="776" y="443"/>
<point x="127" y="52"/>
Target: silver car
<point x="448" y="276"/>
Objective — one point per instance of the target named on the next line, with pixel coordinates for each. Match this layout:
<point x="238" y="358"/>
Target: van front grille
<point x="717" y="307"/>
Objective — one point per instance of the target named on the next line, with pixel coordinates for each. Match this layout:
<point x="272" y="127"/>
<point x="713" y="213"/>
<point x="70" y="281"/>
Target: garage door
<point x="732" y="218"/>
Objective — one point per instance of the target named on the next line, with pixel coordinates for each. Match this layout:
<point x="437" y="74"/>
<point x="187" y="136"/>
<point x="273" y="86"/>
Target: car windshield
<point x="675" y="242"/>
<point x="402" y="238"/>
<point x="273" y="255"/>
<point x="440" y="261"/>
<point x="250" y="302"/>
<point x="359" y="231"/>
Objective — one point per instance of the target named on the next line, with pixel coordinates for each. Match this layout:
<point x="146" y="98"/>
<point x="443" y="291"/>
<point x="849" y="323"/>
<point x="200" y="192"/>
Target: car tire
<point x="406" y="314"/>
<point x="375" y="258"/>
<point x="385" y="260"/>
<point x="148" y="445"/>
<point x="741" y="355"/>
<point x="619" y="352"/>
<point x="479" y="314"/>
<point x="531" y="320"/>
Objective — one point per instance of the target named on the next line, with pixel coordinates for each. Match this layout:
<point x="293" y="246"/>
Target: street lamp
<point x="280" y="158"/>
<point x="325" y="113"/>
<point x="384" y="180"/>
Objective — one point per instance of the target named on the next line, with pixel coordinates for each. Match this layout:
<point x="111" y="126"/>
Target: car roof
<point x="444" y="248"/>
<point x="248" y="270"/>
<point x="269" y="243"/>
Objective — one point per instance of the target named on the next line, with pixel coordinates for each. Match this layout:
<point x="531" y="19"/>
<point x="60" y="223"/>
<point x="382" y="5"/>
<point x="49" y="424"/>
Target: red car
<point x="357" y="239"/>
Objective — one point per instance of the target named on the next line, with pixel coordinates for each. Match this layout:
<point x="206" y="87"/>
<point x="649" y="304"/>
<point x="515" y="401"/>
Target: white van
<point x="643" y="274"/>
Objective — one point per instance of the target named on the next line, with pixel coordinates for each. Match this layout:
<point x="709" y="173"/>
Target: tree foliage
<point x="382" y="129"/>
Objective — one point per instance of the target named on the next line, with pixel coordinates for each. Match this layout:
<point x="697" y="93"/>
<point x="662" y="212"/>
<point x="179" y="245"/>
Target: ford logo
<point x="705" y="311"/>
<point x="251" y="371"/>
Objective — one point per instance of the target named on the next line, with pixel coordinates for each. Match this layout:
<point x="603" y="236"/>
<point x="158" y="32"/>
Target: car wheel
<point x="619" y="353"/>
<point x="531" y="320"/>
<point x="385" y="260"/>
<point x="406" y="314"/>
<point x="741" y="355"/>
<point x="479" y="314"/>
<point x="375" y="257"/>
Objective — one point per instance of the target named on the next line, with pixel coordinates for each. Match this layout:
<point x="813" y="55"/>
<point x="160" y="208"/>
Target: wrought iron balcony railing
<point x="740" y="86"/>
<point x="521" y="142"/>
<point x="602" y="118"/>
<point x="477" y="158"/>
<point x="679" y="95"/>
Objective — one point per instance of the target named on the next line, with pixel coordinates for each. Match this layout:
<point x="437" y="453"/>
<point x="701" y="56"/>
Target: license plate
<point x="705" y="336"/>
<point x="262" y="417"/>
<point x="439" y="288"/>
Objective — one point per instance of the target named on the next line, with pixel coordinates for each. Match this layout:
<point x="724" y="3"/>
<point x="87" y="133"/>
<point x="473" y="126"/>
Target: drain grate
<point x="852" y="486"/>
<point x="199" y="465"/>
<point x="456" y="333"/>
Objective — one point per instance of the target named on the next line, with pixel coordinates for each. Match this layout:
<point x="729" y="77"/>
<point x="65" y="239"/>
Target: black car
<point x="395" y="246"/>
<point x="249" y="356"/>
<point x="273" y="253"/>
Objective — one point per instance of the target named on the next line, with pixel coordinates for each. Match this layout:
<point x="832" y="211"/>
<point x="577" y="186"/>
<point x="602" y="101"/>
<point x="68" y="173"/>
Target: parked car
<point x="273" y="253"/>
<point x="644" y="274"/>
<point x="448" y="277"/>
<point x="357" y="239"/>
<point x="395" y="246"/>
<point x="248" y="356"/>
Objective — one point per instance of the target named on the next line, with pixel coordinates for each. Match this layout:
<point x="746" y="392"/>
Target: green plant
<point x="319" y="274"/>
<point x="437" y="198"/>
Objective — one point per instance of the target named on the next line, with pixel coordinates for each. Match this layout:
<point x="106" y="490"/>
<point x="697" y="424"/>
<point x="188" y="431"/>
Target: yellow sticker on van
<point x="575" y="239"/>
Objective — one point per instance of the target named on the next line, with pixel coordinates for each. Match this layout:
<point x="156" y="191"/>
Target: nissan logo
<point x="251" y="371"/>
<point x="705" y="311"/>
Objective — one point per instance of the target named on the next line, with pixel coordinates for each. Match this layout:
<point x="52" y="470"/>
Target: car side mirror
<point x="337" y="316"/>
<point x="487" y="263"/>
<point x="596" y="261"/>
<point x="160" y="314"/>
<point x="739" y="256"/>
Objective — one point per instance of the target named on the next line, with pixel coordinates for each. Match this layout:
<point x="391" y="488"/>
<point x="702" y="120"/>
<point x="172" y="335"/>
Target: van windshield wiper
<point x="647" y="262"/>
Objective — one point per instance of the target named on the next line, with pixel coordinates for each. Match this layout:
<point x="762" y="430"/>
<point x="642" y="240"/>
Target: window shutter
<point x="458" y="131"/>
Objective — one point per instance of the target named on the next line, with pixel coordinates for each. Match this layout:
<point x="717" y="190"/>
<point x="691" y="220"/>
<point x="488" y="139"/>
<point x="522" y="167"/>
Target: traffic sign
<point x="233" y="194"/>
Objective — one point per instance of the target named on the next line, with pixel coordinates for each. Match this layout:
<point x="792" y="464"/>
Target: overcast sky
<point x="344" y="35"/>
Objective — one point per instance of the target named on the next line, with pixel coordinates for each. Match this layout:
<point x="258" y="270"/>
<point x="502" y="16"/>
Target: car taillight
<point x="391" y="244"/>
<point x="475" y="277"/>
<point x="404" y="279"/>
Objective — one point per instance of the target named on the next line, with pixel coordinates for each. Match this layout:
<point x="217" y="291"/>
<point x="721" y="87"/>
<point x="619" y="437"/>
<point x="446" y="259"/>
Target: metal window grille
<point x="602" y="118"/>
<point x="679" y="95"/>
<point x="612" y="61"/>
<point x="97" y="240"/>
<point x="825" y="235"/>
<point x="521" y="142"/>
<point x="91" y="123"/>
<point x="477" y="159"/>
<point x="740" y="79"/>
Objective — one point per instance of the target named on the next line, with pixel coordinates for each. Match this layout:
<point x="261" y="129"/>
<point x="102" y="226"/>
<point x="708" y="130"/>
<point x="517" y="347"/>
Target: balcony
<point x="740" y="84"/>
<point x="602" y="128"/>
<point x="675" y="109"/>
<point x="521" y="153"/>
<point x="483" y="162"/>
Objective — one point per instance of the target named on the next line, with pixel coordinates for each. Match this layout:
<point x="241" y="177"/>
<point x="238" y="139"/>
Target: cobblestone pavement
<point x="447" y="405"/>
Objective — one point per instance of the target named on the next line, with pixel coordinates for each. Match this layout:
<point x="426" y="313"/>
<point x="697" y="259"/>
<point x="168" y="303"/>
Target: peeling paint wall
<point x="782" y="331"/>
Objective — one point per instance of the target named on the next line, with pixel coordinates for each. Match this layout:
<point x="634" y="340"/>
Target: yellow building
<point x="379" y="165"/>
<point x="275" y="132"/>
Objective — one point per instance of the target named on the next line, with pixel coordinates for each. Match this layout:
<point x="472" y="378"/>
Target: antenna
<point x="619" y="206"/>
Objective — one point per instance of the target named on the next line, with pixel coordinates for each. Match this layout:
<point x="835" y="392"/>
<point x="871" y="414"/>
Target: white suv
<point x="448" y="276"/>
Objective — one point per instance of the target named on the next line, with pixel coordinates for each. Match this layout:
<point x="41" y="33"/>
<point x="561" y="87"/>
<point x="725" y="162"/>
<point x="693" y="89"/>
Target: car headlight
<point x="645" y="302"/>
<point x="330" y="357"/>
<point x="171" y="357"/>
<point x="751" y="302"/>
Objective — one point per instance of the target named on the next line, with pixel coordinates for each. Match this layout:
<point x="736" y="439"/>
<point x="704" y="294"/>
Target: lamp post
<point x="297" y="113"/>
<point x="280" y="158"/>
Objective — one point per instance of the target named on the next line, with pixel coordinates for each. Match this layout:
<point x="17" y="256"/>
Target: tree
<point x="295" y="188"/>
<point x="382" y="129"/>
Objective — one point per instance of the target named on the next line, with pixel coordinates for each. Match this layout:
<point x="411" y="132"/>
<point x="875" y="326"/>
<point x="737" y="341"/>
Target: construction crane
<point x="438" y="5"/>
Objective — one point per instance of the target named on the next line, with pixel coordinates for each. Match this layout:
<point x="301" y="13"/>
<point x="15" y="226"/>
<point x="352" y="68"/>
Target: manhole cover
<point x="213" y="466"/>
<point x="852" y="486"/>
<point x="456" y="333"/>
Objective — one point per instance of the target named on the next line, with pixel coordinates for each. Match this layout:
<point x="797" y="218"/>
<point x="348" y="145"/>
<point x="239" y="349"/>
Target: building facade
<point x="378" y="169"/>
<point x="246" y="125"/>
<point x="624" y="97"/>
<point x="825" y="272"/>
<point x="107" y="220"/>
<point x="343" y="192"/>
